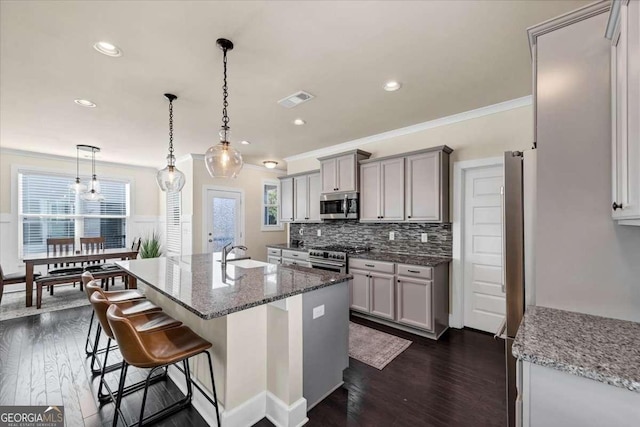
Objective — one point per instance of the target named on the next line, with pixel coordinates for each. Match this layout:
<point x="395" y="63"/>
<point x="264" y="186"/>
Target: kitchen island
<point x="255" y="315"/>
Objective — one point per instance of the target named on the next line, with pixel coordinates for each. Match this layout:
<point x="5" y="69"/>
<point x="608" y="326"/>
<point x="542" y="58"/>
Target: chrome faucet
<point x="227" y="249"/>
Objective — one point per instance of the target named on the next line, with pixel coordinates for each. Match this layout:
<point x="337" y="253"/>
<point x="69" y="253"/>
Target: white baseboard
<point x="282" y="415"/>
<point x="264" y="404"/>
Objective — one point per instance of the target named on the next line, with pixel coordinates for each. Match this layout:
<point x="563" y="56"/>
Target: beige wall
<point x="144" y="190"/>
<point x="250" y="181"/>
<point x="486" y="136"/>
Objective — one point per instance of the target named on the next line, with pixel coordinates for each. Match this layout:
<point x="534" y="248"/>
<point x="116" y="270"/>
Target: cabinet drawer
<point x="365" y="264"/>
<point x="274" y="260"/>
<point x="415" y="271"/>
<point x="274" y="252"/>
<point x="296" y="255"/>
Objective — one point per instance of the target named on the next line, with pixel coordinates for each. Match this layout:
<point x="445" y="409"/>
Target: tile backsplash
<point x="376" y="236"/>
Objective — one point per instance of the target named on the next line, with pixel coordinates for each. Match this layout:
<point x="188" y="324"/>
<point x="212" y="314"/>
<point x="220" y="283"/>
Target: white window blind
<point x="49" y="208"/>
<point x="174" y="232"/>
<point x="270" y="206"/>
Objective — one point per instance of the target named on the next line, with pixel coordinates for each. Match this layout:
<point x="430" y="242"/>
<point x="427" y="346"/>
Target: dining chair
<point x="12" y="278"/>
<point x="61" y="246"/>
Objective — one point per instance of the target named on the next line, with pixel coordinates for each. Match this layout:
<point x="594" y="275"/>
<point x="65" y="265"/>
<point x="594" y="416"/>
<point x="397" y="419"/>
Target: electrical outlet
<point x="424" y="238"/>
<point x="319" y="232"/>
<point x="301" y="232"/>
<point x="318" y="311"/>
<point x="392" y="235"/>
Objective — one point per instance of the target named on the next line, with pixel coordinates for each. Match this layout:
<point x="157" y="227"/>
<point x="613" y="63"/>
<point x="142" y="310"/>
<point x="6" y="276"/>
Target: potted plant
<point x="151" y="246"/>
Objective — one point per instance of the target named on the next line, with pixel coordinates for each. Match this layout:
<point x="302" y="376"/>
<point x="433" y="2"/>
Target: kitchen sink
<point x="247" y="263"/>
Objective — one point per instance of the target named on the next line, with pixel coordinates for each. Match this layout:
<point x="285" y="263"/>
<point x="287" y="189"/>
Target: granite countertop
<point x="422" y="260"/>
<point x="289" y="247"/>
<point x="197" y="283"/>
<point x="594" y="347"/>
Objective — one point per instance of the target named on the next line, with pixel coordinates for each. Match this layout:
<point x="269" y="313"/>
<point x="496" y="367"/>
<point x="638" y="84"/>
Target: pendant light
<point x="222" y="160"/>
<point x="170" y="179"/>
<point x="93" y="188"/>
<point x="77" y="187"/>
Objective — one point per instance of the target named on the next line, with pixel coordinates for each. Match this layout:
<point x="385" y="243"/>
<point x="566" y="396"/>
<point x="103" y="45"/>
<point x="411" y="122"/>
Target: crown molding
<point x="566" y="19"/>
<point x="443" y="121"/>
<point x="200" y="157"/>
<point x="33" y="154"/>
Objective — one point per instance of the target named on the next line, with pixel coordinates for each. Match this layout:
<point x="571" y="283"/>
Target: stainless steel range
<point x="334" y="257"/>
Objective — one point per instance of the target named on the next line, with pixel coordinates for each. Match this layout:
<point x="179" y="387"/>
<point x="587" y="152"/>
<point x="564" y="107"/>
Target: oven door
<point x="336" y="267"/>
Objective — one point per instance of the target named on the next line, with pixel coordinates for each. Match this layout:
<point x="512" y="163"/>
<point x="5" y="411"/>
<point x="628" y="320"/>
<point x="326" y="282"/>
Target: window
<point x="270" y="206"/>
<point x="174" y="233"/>
<point x="49" y="208"/>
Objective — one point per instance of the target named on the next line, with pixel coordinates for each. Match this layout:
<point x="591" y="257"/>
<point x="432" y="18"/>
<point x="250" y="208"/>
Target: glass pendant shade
<point x="77" y="187"/>
<point x="170" y="178"/>
<point x="223" y="161"/>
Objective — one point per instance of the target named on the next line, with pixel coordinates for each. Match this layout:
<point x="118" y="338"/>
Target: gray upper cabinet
<point x="300" y="198"/>
<point x="382" y="191"/>
<point x="423" y="195"/>
<point x="624" y="30"/>
<point x="286" y="199"/>
<point x="314" y="196"/>
<point x="409" y="187"/>
<point x="339" y="173"/>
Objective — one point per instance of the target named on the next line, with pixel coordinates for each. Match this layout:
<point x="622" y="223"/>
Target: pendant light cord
<point x="77" y="162"/>
<point x="225" y="94"/>
<point x="171" y="127"/>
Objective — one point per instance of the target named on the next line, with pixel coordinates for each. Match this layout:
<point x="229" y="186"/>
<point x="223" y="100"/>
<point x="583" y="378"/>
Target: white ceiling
<point x="451" y="56"/>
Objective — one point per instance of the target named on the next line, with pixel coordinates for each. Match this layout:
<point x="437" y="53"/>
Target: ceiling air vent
<point x="295" y="99"/>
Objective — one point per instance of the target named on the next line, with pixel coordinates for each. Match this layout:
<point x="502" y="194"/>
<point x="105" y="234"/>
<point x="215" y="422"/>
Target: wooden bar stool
<point x="157" y="350"/>
<point x="143" y="323"/>
<point x="118" y="296"/>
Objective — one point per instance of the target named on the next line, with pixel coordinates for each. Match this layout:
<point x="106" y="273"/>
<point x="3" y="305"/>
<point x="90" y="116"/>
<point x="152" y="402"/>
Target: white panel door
<point x="224" y="219"/>
<point x="484" y="301"/>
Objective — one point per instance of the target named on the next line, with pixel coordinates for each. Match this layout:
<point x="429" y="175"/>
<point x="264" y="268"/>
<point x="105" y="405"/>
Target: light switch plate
<point x="319" y="233"/>
<point x="424" y="237"/>
<point x="318" y="311"/>
<point x="392" y="235"/>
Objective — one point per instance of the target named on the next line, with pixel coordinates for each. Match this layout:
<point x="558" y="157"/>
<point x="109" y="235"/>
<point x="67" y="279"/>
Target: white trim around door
<point x="456" y="317"/>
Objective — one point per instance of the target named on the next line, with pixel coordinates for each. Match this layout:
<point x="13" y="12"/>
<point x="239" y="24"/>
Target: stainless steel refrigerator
<point x="518" y="241"/>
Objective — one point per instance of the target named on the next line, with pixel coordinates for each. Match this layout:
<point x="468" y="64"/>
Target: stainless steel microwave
<point x="339" y="206"/>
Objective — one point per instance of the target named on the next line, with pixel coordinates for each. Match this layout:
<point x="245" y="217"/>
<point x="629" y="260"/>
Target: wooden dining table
<point x="73" y="257"/>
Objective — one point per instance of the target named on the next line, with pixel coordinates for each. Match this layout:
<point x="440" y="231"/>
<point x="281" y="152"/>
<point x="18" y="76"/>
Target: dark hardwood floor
<point x="456" y="381"/>
<point x="42" y="362"/>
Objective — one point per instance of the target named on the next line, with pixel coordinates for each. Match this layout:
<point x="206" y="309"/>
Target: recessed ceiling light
<point x="392" y="86"/>
<point x="107" y="48"/>
<point x="299" y="122"/>
<point x="270" y="164"/>
<point x="245" y="142"/>
<point x="85" y="103"/>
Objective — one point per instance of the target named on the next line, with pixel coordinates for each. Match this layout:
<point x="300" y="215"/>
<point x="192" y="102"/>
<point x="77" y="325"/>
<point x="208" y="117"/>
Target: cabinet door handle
<point x="294" y="254"/>
<point x="409" y="216"/>
<point x="369" y="265"/>
<point x="398" y="280"/>
<point x="616" y="206"/>
<point x="414" y="271"/>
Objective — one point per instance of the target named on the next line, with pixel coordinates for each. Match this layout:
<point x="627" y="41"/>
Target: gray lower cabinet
<point x="359" y="291"/>
<point x="413" y="298"/>
<point x="373" y="292"/>
<point x="274" y="260"/>
<point x="382" y="290"/>
<point x="403" y="295"/>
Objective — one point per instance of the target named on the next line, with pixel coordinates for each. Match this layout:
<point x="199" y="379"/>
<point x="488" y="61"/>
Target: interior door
<point x="224" y="219"/>
<point x="484" y="299"/>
